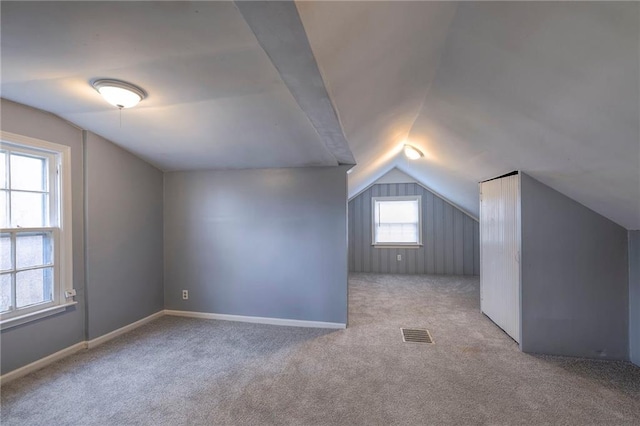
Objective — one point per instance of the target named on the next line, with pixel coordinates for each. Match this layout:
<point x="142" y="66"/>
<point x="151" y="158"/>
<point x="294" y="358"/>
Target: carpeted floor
<point x="179" y="371"/>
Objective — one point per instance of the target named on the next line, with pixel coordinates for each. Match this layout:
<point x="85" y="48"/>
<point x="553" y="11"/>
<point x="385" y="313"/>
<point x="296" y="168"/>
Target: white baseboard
<point x="115" y="333"/>
<point x="257" y="320"/>
<point x="87" y="344"/>
<point x="43" y="362"/>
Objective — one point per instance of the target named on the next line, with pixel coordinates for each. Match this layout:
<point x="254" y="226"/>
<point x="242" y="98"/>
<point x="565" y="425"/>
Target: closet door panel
<point x="499" y="253"/>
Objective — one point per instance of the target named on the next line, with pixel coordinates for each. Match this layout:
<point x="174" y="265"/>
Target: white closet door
<point x="499" y="253"/>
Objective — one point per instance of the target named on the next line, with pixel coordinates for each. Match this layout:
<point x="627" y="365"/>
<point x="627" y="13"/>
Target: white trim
<point x="257" y="320"/>
<point x="374" y="211"/>
<point x="35" y="315"/>
<point x="122" y="330"/>
<point x="65" y="222"/>
<point x="43" y="362"/>
<point x="90" y="344"/>
<point x="61" y="200"/>
<point x="397" y="246"/>
<point x="37" y="143"/>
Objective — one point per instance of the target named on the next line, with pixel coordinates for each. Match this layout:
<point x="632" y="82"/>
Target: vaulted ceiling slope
<point x="484" y="88"/>
<point x="216" y="99"/>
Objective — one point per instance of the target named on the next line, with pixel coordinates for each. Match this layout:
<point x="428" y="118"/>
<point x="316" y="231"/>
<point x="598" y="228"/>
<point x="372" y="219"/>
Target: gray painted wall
<point x="27" y="343"/>
<point x="450" y="237"/>
<point x="124" y="237"/>
<point x="268" y="243"/>
<point x="123" y="261"/>
<point x="575" y="298"/>
<point x="634" y="297"/>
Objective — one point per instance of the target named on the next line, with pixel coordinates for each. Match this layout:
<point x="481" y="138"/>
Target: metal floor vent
<point x="416" y="335"/>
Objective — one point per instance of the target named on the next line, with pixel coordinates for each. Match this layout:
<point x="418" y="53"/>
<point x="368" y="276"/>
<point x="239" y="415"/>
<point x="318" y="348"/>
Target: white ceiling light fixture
<point x="119" y="93"/>
<point x="412" y="152"/>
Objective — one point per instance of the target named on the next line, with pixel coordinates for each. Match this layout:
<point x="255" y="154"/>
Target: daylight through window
<point x="31" y="239"/>
<point x="396" y="220"/>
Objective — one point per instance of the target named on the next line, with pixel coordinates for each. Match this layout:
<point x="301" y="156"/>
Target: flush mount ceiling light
<point x="412" y="152"/>
<point x="119" y="93"/>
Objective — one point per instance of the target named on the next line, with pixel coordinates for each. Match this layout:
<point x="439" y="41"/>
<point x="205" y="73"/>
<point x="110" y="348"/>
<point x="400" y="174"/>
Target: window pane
<point x="5" y="252"/>
<point x="398" y="211"/>
<point x="28" y="173"/>
<point x="33" y="249"/>
<point x="34" y="286"/>
<point x="3" y="169"/>
<point x="5" y="292"/>
<point x="397" y="233"/>
<point x="397" y="221"/>
<point x="29" y="210"/>
<point x="4" y="212"/>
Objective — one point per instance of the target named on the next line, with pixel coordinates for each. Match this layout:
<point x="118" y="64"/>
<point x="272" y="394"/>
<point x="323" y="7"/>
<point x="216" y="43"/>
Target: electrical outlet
<point x="185" y="294"/>
<point x="399" y="257"/>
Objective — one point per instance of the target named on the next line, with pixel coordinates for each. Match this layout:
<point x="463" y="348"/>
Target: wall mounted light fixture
<point x="412" y="152"/>
<point x="119" y="93"/>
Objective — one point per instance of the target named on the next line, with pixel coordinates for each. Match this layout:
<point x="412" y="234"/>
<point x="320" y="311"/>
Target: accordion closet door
<point x="500" y="253"/>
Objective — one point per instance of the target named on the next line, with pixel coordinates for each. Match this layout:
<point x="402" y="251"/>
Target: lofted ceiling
<point x="215" y="98"/>
<point x="482" y="88"/>
<point x="485" y="88"/>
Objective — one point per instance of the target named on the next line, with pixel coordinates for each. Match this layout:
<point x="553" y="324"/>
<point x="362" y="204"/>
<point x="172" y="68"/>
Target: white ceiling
<point x="483" y="88"/>
<point x="215" y="99"/>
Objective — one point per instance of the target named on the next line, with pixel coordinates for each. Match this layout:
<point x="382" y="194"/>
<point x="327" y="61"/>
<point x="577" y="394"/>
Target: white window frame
<point x="375" y="200"/>
<point x="60" y="204"/>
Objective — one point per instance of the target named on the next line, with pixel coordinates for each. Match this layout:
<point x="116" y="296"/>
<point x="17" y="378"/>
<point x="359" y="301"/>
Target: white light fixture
<point x="412" y="152"/>
<point x="119" y="93"/>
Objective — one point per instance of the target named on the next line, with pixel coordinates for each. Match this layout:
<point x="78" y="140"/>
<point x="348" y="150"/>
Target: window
<point x="397" y="221"/>
<point x="35" y="235"/>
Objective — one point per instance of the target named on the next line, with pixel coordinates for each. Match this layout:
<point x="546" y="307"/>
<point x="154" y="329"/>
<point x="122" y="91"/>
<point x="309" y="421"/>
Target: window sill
<point x="397" y="246"/>
<point x="33" y="316"/>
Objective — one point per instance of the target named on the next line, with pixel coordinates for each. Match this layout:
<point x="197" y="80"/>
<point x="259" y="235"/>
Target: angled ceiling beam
<point x="280" y="32"/>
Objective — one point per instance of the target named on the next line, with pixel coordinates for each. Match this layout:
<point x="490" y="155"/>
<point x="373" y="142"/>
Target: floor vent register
<point x="416" y="335"/>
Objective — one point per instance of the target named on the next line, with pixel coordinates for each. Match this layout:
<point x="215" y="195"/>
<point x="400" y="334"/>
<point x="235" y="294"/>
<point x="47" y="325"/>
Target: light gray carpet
<point x="178" y="371"/>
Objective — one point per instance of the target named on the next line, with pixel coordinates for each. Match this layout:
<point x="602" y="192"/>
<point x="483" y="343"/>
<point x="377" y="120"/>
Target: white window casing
<point x="396" y="221"/>
<point x="56" y="227"/>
